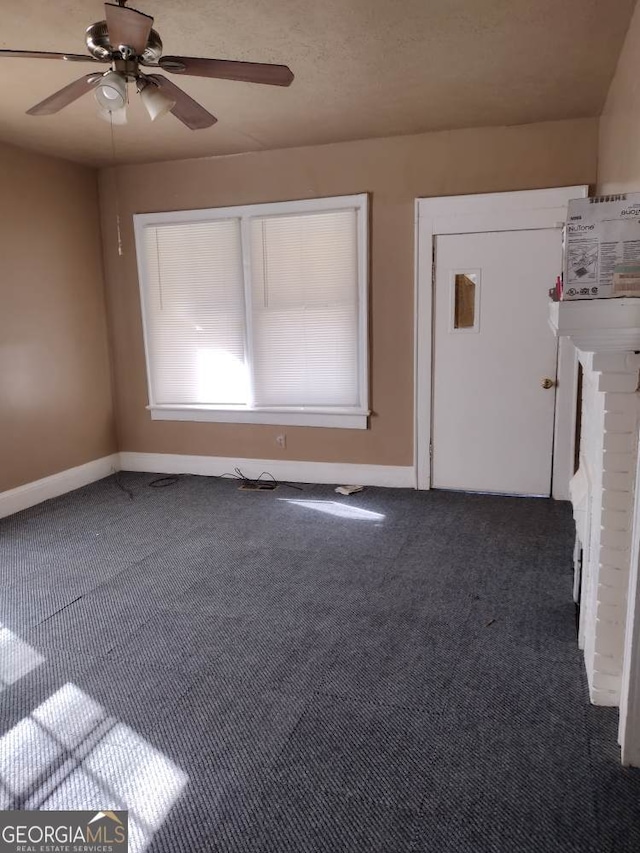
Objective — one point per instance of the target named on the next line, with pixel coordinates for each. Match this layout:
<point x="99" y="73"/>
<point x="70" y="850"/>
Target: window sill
<point x="336" y="418"/>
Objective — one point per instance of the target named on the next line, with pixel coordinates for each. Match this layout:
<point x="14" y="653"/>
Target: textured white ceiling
<point x="363" y="68"/>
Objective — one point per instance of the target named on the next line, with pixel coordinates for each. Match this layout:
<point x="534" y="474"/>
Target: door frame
<point x="471" y="214"/>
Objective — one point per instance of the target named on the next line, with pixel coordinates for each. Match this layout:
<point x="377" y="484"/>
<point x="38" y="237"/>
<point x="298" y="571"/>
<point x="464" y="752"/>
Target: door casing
<point x="509" y="211"/>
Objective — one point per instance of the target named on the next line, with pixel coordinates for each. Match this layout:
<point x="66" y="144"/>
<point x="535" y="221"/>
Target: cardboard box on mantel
<point x="602" y="247"/>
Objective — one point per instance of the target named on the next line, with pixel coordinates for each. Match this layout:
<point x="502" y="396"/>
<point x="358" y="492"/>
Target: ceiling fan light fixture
<point x="156" y="103"/>
<point x="111" y="94"/>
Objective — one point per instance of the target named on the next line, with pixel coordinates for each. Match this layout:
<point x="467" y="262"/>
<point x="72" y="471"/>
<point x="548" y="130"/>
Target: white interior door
<point x="493" y="420"/>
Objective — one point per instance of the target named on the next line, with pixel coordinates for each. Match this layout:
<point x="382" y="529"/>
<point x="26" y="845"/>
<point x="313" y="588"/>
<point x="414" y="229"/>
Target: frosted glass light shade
<point x="111" y="94"/>
<point x="156" y="103"/>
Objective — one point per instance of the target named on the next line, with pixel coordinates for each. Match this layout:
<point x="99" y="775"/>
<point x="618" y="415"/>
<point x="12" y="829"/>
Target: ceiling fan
<point x="126" y="41"/>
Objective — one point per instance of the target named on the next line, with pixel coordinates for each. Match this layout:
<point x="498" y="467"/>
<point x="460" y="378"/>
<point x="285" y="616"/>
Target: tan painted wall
<point x="619" y="148"/>
<point x="55" y="390"/>
<point x="395" y="171"/>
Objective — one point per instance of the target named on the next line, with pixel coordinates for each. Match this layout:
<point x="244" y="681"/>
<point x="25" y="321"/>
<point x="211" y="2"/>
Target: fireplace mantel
<point x="606" y="334"/>
<point x="598" y="325"/>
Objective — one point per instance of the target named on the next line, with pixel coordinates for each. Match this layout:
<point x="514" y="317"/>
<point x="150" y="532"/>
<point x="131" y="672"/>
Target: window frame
<point x="351" y="417"/>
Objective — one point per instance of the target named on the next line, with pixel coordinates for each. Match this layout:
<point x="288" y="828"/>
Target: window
<point x="464" y="313"/>
<point x="257" y="314"/>
<point x="464" y="308"/>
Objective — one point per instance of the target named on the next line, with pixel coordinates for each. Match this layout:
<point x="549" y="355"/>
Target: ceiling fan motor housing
<point x="98" y="44"/>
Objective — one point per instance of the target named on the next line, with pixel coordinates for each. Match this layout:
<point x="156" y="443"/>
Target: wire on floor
<point x="266" y="481"/>
<point x="257" y="482"/>
<point x="123" y="488"/>
<point x="156" y="483"/>
<point x="163" y="482"/>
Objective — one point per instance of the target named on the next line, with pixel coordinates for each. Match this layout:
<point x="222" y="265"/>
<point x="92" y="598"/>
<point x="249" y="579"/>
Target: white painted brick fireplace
<point x="606" y="334"/>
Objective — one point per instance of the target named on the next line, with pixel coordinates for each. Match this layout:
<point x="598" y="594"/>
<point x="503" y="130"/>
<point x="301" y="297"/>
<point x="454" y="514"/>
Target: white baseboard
<point x="23" y="497"/>
<point x="282" y="469"/>
<point x="34" y="493"/>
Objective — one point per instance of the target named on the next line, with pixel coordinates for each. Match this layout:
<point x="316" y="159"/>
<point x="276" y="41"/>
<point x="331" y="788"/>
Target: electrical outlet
<point x="281" y="440"/>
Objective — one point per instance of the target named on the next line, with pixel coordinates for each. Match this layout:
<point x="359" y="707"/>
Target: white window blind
<point x="256" y="309"/>
<point x="304" y="276"/>
<point x="195" y="315"/>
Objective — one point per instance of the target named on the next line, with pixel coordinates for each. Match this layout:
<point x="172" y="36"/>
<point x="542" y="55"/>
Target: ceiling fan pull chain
<point x="115" y="178"/>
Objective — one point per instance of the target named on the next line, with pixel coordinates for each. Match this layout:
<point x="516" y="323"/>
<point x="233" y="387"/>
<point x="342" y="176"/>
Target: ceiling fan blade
<point x="225" y="69"/>
<point x="41" y="54"/>
<point x="54" y="103"/>
<point x="187" y="110"/>
<point x="127" y="26"/>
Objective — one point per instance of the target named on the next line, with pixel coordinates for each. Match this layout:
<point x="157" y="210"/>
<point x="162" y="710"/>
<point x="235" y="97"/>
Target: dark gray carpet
<point x="298" y="671"/>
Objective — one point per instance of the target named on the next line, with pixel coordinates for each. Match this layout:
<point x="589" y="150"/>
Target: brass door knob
<point x="547" y="383"/>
